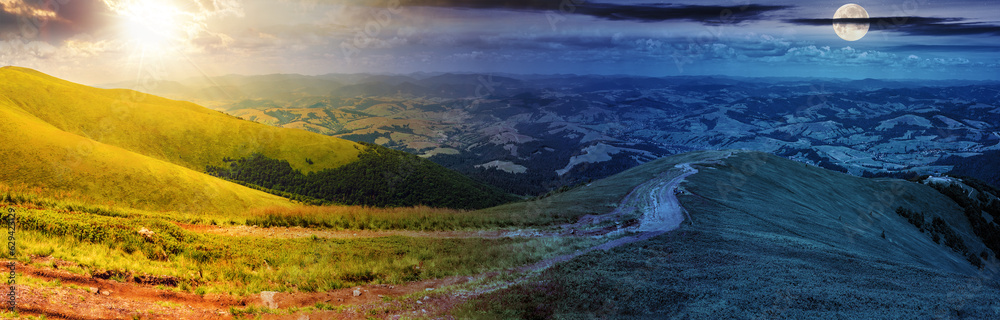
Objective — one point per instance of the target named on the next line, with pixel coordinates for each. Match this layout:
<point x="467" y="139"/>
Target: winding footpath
<point x="663" y="211"/>
<point x="655" y="198"/>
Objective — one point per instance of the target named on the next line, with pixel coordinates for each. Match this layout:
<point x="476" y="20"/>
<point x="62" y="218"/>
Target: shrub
<point x="914" y="218"/>
<point x="938" y="229"/>
<point x="974" y="260"/>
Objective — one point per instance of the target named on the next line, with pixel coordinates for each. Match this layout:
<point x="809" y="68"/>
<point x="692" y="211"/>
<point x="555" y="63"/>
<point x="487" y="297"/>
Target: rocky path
<point x="661" y="213"/>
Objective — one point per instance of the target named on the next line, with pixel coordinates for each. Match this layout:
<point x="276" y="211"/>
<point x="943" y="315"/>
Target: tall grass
<point x="369" y="218"/>
<point x="37" y="197"/>
<point x="248" y="265"/>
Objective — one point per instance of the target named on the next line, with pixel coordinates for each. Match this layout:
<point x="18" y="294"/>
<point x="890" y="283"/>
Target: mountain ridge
<point x="143" y="151"/>
<point x="764" y="237"/>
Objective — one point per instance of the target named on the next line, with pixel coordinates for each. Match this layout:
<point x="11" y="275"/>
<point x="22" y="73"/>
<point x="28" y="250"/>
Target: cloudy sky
<point x="103" y="41"/>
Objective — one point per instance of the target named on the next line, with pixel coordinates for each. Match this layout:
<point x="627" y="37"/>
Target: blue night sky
<point x="95" y="41"/>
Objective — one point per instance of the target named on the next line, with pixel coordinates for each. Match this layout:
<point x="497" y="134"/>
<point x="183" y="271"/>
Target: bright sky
<point x="103" y="41"/>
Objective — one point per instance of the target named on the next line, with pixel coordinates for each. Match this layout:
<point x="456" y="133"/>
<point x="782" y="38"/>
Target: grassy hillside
<point x="109" y="243"/>
<point x="41" y="159"/>
<point x="126" y="148"/>
<point x="174" y="131"/>
<point x="598" y="197"/>
<point x="767" y="238"/>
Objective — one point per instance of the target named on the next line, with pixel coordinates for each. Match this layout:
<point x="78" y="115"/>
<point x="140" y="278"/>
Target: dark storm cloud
<point x="70" y="19"/>
<point x="651" y="13"/>
<point x="946" y="48"/>
<point x="533" y="42"/>
<point x="918" y="26"/>
<point x="7" y="21"/>
<point x="642" y="12"/>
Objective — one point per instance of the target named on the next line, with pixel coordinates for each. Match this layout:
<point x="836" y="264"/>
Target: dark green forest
<point x="381" y="177"/>
<point x="974" y="205"/>
<point x="976" y="166"/>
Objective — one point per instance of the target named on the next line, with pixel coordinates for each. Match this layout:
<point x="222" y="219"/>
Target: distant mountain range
<point x="532" y="134"/>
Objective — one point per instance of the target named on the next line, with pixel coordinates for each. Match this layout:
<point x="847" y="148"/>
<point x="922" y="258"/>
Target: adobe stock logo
<point x="11" y="219"/>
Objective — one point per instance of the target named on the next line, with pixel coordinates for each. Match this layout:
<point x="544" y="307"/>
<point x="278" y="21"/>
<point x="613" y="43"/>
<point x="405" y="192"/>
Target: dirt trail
<point x="655" y="198"/>
<point x="661" y="214"/>
<point x="300" y="232"/>
<point x="663" y="211"/>
<point x="94" y="298"/>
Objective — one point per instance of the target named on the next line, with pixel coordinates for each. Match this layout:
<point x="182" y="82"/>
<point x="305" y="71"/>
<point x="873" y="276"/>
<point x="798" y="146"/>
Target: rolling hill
<point x="767" y="237"/>
<point x="133" y="149"/>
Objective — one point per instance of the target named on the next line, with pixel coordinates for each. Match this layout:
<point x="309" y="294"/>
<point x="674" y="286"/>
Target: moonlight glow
<point x="851" y="31"/>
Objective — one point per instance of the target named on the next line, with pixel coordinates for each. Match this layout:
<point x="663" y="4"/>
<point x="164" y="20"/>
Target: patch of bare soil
<point x="96" y="298"/>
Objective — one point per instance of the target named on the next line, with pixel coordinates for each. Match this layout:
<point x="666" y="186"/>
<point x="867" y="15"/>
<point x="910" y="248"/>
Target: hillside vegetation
<point x="381" y="177"/>
<point x="178" y="132"/>
<point x="125" y="148"/>
<point x="41" y="159"/>
<point x="127" y="246"/>
<point x="770" y="238"/>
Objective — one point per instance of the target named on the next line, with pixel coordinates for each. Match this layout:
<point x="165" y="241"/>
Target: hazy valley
<point x="531" y="134"/>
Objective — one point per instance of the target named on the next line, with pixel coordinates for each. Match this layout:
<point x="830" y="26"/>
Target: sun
<point x="150" y="24"/>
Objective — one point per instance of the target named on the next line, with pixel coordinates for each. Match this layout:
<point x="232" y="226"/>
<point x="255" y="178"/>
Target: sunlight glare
<point x="151" y="24"/>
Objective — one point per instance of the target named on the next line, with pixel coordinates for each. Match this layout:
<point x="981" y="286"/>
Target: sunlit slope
<point x="78" y="119"/>
<point x="174" y="131"/>
<point x="38" y="155"/>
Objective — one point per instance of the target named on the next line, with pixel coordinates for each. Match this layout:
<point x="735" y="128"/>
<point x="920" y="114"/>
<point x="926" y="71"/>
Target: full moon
<point x="850" y="31"/>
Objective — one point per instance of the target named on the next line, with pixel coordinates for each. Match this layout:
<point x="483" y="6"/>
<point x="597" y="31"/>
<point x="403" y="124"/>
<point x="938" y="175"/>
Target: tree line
<point x="381" y="177"/>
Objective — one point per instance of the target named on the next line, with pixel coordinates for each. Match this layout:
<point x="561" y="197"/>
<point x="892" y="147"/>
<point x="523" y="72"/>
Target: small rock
<point x="420" y="302"/>
<point x="105" y="292"/>
<point x="429" y="289"/>
<point x="392" y="287"/>
<point x="267" y="297"/>
<point x="94" y="290"/>
<point x="422" y="310"/>
<point x="357" y="292"/>
<point x="427" y="298"/>
<point x="146" y="232"/>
